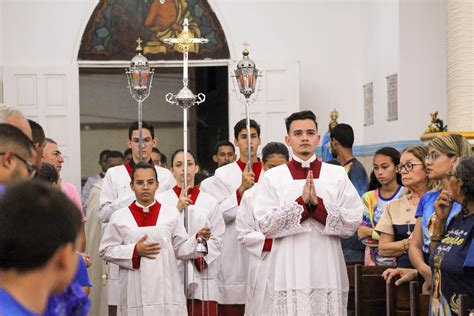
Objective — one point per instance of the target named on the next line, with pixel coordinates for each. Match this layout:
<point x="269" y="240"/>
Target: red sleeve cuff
<point x="267" y="246"/>
<point x="305" y="215"/>
<point x="239" y="197"/>
<point x="135" y="258"/>
<point x="200" y="264"/>
<point x="321" y="213"/>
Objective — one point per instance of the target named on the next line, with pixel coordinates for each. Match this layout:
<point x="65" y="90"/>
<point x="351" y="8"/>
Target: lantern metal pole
<point x="249" y="152"/>
<point x="140" y="136"/>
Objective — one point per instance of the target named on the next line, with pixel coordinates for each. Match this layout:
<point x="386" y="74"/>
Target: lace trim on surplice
<point x="341" y="222"/>
<point x="284" y="221"/>
<point x="310" y="302"/>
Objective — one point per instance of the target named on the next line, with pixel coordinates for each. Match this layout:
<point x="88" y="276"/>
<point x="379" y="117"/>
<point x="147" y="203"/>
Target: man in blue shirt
<point x="342" y="139"/>
<point x="38" y="231"/>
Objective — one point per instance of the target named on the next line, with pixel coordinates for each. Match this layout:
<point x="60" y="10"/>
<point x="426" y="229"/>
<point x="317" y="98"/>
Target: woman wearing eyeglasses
<point x="398" y="220"/>
<point x="385" y="186"/>
<point x="443" y="152"/>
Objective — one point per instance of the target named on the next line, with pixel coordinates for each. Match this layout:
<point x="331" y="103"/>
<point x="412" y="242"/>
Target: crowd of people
<point x="267" y="236"/>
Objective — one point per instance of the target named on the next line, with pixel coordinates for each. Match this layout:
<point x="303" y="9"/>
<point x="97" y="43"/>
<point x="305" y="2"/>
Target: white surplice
<point x="259" y="289"/>
<point x="233" y="261"/>
<point x="93" y="227"/>
<point x="206" y="184"/>
<point x="155" y="288"/>
<point x="203" y="213"/>
<point x="116" y="194"/>
<point x="310" y="276"/>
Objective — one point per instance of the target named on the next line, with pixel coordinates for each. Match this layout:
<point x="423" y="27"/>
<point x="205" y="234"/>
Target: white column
<point x="460" y="64"/>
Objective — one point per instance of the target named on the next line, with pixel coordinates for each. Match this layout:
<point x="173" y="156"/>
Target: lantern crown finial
<point x="245" y="52"/>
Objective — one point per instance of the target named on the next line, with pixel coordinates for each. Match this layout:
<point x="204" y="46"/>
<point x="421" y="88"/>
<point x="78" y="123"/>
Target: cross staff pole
<point x="184" y="41"/>
<point x="185" y="99"/>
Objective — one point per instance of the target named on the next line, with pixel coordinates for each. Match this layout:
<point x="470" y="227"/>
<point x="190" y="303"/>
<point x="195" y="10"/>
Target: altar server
<point x="203" y="210"/>
<point x="145" y="239"/>
<point x="306" y="206"/>
<point x="259" y="290"/>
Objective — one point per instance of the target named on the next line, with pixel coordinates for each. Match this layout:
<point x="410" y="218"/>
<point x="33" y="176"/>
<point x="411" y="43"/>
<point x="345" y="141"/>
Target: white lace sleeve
<point x="284" y="221"/>
<point x="341" y="222"/>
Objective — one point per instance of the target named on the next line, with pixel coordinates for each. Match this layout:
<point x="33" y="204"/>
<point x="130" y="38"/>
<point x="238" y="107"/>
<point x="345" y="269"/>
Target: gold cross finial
<point x="139" y="42"/>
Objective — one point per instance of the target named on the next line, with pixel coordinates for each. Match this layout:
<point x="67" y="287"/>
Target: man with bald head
<point x="12" y="116"/>
<point x="53" y="156"/>
<point x="16" y="155"/>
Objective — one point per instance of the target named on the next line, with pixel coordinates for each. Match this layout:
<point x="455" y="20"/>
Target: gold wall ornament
<point x="437" y="125"/>
<point x="334" y="115"/>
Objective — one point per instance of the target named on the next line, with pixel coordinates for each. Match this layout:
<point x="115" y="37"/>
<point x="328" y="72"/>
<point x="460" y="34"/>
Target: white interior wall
<point x="340" y="46"/>
<point x="45" y="32"/>
<point x="423" y="78"/>
<point x="381" y="58"/>
<point x="324" y="36"/>
<point x="405" y="37"/>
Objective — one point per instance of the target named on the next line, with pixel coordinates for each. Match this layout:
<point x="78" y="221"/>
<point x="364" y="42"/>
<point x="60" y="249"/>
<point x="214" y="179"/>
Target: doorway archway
<point x="107" y="45"/>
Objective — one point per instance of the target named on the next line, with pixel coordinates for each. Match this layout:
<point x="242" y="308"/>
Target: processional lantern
<point x="246" y="76"/>
<point x="140" y="77"/>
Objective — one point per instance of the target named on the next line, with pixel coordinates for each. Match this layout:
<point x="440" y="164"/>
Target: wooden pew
<point x="463" y="305"/>
<point x="419" y="303"/>
<point x="351" y="276"/>
<point x="398" y="299"/>
<point x="370" y="291"/>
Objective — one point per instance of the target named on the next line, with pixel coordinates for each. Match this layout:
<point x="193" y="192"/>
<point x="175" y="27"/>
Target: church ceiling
<point x="115" y="25"/>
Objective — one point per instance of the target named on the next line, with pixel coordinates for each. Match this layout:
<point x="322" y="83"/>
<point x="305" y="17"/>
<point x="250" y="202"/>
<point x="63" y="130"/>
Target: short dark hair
<point x="143" y="165"/>
<point x="13" y="138"/>
<point x="35" y="221"/>
<point x="156" y="150"/>
<point x="298" y="116"/>
<point x="344" y="134"/>
<point x="47" y="173"/>
<point x="145" y="125"/>
<point x="162" y="158"/>
<point x="50" y="141"/>
<point x="394" y="155"/>
<point x="242" y="124"/>
<point x="127" y="152"/>
<point x="114" y="154"/>
<point x="104" y="152"/>
<point x="274" y="148"/>
<point x="180" y="151"/>
<point x="37" y="132"/>
<point x="223" y="143"/>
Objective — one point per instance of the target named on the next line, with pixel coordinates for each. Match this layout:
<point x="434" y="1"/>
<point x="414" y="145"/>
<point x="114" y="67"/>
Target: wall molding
<point x="369" y="150"/>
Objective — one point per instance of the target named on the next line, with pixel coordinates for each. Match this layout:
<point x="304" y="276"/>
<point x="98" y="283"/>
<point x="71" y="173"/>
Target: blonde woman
<point x="443" y="152"/>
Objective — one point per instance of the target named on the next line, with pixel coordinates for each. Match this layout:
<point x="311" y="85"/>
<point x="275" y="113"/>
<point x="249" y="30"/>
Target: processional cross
<point x="186" y="99"/>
